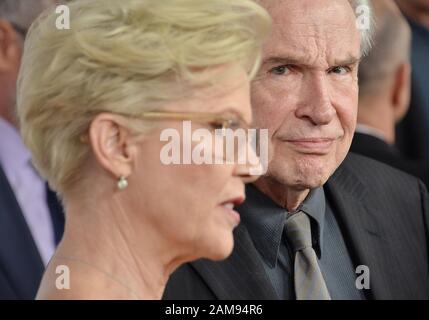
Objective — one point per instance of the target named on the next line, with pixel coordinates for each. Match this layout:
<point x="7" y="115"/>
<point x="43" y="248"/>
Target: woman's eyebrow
<point x="237" y="114"/>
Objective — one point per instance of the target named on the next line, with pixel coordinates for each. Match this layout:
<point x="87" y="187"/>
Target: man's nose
<point x="315" y="100"/>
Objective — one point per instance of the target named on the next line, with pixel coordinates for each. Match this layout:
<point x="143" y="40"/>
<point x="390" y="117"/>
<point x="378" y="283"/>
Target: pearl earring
<point x="122" y="183"/>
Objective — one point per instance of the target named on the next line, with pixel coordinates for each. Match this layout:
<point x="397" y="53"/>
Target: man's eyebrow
<point x="347" y="62"/>
<point x="296" y="61"/>
<point x="282" y="60"/>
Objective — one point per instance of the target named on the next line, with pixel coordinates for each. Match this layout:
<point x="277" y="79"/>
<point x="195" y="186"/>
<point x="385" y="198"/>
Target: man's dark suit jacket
<point x="375" y="148"/>
<point x="384" y="216"/>
<point x="21" y="267"/>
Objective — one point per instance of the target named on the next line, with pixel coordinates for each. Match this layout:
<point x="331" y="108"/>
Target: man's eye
<point x="280" y="70"/>
<point x="340" y="70"/>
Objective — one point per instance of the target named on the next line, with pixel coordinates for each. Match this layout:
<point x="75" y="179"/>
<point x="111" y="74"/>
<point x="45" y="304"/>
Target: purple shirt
<point x="29" y="188"/>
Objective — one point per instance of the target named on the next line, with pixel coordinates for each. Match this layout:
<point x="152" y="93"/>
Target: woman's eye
<point x="280" y="70"/>
<point x="234" y="125"/>
<point x="217" y="125"/>
<point x="340" y="70"/>
<point x="229" y="124"/>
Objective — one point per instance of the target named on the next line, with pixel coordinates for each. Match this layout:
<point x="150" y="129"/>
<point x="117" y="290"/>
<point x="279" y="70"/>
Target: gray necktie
<point x="308" y="280"/>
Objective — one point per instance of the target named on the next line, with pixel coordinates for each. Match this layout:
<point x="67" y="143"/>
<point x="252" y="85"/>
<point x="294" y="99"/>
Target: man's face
<point x="306" y="92"/>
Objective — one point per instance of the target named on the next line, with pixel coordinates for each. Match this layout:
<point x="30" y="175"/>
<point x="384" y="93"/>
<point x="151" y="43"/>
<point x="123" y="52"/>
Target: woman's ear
<point x="112" y="144"/>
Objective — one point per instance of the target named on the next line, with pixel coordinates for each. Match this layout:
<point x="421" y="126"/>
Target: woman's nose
<point x="249" y="171"/>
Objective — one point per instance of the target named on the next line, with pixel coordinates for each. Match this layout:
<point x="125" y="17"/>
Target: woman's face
<point x="190" y="204"/>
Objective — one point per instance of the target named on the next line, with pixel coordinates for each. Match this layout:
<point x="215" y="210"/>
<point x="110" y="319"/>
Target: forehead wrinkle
<point x="307" y="50"/>
<point x="305" y="20"/>
<point x="318" y="41"/>
<point x="314" y="48"/>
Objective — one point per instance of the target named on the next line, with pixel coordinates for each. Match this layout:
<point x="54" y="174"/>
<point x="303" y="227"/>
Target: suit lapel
<point x="19" y="256"/>
<point x="356" y="213"/>
<point x="241" y="276"/>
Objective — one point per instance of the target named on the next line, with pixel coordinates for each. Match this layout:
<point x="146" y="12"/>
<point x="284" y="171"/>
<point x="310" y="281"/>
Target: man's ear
<point x="401" y="91"/>
<point x="112" y="144"/>
<point x="10" y="47"/>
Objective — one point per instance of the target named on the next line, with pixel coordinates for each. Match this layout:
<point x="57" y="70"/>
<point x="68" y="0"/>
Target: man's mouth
<point x="319" y="146"/>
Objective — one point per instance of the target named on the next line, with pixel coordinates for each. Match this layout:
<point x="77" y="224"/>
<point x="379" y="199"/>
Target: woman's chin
<point x="222" y="250"/>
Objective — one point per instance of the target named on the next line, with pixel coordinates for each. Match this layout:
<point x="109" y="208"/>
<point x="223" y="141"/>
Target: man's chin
<point x="308" y="175"/>
<point x="298" y="182"/>
<point x="304" y="185"/>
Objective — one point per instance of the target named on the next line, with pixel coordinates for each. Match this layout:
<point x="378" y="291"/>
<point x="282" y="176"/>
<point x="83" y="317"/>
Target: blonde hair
<point x="125" y="56"/>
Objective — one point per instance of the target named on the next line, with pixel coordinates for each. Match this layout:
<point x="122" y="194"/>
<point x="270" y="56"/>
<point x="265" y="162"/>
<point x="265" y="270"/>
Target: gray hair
<point x="367" y="34"/>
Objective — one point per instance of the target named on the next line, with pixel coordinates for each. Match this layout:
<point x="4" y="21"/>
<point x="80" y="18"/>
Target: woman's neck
<point x="109" y="256"/>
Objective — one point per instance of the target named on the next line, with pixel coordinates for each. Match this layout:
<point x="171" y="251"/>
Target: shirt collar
<point x="13" y="153"/>
<point x="265" y="221"/>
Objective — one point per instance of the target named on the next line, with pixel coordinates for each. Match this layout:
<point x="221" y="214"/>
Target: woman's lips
<point x="229" y="205"/>
<point x="234" y="215"/>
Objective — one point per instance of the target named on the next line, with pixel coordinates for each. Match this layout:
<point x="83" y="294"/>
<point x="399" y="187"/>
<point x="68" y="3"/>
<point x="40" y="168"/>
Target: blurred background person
<point x="413" y="131"/>
<point x="384" y="95"/>
<point x="93" y="103"/>
<point x="31" y="218"/>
